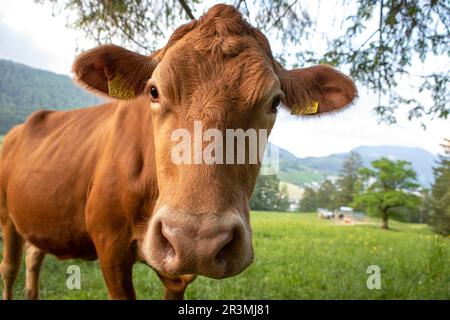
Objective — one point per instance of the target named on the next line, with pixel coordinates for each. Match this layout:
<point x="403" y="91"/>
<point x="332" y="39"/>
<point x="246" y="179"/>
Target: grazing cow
<point x="100" y="183"/>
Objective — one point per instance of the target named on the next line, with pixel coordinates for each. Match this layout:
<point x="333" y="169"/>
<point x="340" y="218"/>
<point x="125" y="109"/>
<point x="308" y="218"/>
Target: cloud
<point x="357" y="126"/>
<point x="37" y="37"/>
<point x="20" y="47"/>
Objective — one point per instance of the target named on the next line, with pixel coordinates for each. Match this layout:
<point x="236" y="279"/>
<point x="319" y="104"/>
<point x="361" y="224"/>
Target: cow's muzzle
<point x="213" y="245"/>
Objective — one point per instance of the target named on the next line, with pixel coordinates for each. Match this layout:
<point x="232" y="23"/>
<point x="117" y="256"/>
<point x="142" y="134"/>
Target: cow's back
<point x="46" y="168"/>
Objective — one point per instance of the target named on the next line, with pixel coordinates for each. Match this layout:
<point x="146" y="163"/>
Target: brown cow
<point x="99" y="182"/>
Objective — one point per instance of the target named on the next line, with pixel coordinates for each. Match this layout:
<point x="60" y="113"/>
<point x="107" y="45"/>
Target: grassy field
<point x="299" y="256"/>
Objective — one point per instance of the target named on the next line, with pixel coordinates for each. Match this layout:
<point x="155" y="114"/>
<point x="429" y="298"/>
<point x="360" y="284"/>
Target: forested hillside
<point x="24" y="90"/>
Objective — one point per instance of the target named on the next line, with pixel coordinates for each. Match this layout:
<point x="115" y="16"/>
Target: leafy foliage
<point x="440" y="202"/>
<point x="408" y="33"/>
<point x="388" y="189"/>
<point x="348" y="178"/>
<point x="268" y="195"/>
<point x="380" y="41"/>
<point x="24" y="90"/>
<point x="324" y="197"/>
<point x="309" y="200"/>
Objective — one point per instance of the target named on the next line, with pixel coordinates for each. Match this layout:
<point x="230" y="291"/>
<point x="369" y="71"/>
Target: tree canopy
<point x="269" y="195"/>
<point x="379" y="41"/>
<point x="348" y="178"/>
<point x="323" y="197"/>
<point x="389" y="188"/>
<point x="308" y="202"/>
<point x="440" y="194"/>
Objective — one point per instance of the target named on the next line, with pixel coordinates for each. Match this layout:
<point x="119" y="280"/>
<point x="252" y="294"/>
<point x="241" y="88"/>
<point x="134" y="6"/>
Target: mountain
<point x="422" y="160"/>
<point x="294" y="171"/>
<point x="301" y="171"/>
<point x="24" y="89"/>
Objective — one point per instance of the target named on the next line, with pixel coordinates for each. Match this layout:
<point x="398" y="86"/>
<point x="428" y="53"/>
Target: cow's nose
<point x="196" y="244"/>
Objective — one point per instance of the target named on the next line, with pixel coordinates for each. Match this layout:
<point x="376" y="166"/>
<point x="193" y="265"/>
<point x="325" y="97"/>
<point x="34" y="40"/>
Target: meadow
<point x="297" y="256"/>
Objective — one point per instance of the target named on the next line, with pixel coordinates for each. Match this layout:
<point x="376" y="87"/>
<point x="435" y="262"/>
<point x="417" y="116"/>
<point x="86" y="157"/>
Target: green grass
<point x="299" y="256"/>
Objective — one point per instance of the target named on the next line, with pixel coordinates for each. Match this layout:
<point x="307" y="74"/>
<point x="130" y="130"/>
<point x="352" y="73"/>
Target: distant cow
<point x="100" y="183"/>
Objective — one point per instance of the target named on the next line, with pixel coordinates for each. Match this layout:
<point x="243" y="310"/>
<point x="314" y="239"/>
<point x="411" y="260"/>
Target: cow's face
<point x="214" y="76"/>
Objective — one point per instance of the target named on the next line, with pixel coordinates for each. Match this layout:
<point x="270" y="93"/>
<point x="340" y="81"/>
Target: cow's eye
<point x="275" y="104"/>
<point x="154" y="93"/>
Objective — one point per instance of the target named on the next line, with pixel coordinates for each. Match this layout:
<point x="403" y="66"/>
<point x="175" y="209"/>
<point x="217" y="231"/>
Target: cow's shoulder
<point x="11" y="138"/>
<point x="46" y="120"/>
<point x="38" y="117"/>
<point x="6" y="150"/>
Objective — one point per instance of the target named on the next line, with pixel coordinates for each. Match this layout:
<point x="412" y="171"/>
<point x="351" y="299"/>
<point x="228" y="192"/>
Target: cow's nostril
<point x="164" y="241"/>
<point x="226" y="252"/>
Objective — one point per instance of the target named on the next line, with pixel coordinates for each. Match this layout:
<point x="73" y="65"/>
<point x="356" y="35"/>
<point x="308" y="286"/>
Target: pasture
<point x="297" y="256"/>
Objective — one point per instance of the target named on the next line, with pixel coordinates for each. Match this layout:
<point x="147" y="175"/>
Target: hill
<point x="292" y="170"/>
<point x="300" y="171"/>
<point x="24" y="90"/>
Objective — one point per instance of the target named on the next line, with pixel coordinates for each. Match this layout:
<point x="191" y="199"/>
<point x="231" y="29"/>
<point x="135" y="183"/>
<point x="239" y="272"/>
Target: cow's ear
<point x="114" y="71"/>
<point x="316" y="90"/>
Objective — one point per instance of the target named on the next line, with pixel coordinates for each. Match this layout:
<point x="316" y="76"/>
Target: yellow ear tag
<point x="301" y="110"/>
<point x="117" y="89"/>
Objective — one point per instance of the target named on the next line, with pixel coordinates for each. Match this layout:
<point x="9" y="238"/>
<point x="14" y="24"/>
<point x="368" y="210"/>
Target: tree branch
<point x="282" y="16"/>
<point x="380" y="48"/>
<point x="368" y="39"/>
<point x="187" y="9"/>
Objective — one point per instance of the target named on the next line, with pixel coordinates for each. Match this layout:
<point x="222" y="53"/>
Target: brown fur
<point x="99" y="182"/>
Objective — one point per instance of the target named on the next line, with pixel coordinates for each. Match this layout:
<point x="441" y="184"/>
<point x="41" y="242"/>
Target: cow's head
<point x="219" y="71"/>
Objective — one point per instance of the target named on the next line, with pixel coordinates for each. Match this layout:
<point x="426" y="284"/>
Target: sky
<point x="37" y="38"/>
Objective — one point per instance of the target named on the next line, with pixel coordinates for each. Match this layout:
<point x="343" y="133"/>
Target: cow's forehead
<point x="220" y="52"/>
<point x="235" y="67"/>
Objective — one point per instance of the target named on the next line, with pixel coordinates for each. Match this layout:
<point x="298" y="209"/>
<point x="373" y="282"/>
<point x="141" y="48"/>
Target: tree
<point x="389" y="188"/>
<point x="407" y="33"/>
<point x="308" y="203"/>
<point x="268" y="195"/>
<point x="326" y="195"/>
<point x="379" y="42"/>
<point x="283" y="199"/>
<point x="348" y="179"/>
<point x="425" y="207"/>
<point x="440" y="202"/>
